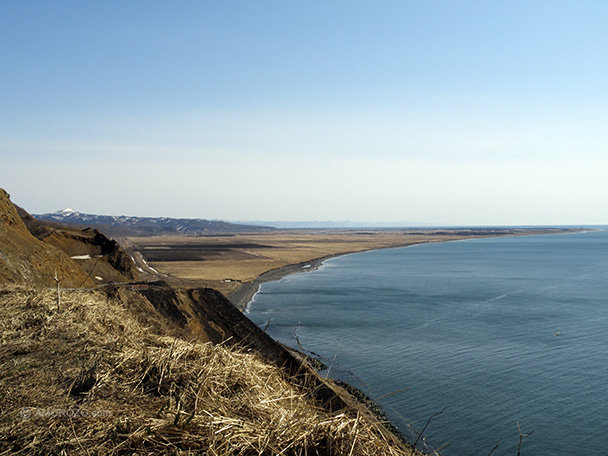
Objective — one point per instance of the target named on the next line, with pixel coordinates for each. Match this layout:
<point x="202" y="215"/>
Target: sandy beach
<point x="237" y="264"/>
<point x="243" y="295"/>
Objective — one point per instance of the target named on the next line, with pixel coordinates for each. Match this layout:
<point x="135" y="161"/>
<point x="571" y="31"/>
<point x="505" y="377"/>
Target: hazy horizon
<point x="329" y="224"/>
<point x="436" y="112"/>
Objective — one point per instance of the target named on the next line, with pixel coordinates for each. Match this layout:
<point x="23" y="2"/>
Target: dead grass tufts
<point x="89" y="378"/>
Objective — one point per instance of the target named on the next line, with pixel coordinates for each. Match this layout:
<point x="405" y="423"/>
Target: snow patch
<point x="146" y="263"/>
<point x="68" y="211"/>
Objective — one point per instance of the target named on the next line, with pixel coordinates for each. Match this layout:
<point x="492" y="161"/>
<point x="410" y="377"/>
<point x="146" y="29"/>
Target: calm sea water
<point x="496" y="330"/>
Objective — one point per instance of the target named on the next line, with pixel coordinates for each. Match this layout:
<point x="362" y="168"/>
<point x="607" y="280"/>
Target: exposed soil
<point x="25" y="259"/>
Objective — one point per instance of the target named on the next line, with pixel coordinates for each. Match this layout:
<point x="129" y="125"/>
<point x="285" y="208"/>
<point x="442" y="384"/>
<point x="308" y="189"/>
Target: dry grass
<point x="90" y="378"/>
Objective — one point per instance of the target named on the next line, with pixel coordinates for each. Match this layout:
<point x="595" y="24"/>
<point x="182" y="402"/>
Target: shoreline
<point x="245" y="294"/>
<point x="242" y="296"/>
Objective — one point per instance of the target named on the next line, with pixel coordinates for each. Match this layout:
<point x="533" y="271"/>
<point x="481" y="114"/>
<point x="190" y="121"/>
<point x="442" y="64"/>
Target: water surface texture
<point x="496" y="330"/>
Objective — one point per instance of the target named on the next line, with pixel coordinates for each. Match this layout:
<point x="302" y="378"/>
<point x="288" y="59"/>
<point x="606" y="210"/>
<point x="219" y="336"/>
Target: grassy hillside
<point x="100" y="257"/>
<point x="142" y="368"/>
<point x="100" y="373"/>
<point x="26" y="260"/>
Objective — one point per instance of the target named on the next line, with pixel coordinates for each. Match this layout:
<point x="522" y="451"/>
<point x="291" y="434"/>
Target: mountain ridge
<point x="124" y="225"/>
<point x="331" y="224"/>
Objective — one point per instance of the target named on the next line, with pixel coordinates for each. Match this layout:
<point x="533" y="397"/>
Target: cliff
<point x="101" y="257"/>
<point x="147" y="369"/>
<point x="103" y="373"/>
<point x="27" y="260"/>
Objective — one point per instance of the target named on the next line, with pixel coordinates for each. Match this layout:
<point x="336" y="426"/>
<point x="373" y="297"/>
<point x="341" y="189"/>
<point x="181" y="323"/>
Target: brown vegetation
<point x="97" y="377"/>
<point x="25" y="259"/>
<point x="224" y="262"/>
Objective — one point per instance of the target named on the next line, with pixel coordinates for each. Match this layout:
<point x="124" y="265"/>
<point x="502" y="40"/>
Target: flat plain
<point x="227" y="262"/>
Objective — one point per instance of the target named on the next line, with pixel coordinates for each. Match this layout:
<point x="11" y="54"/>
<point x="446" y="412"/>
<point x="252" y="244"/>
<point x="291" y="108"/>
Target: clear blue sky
<point x="441" y="112"/>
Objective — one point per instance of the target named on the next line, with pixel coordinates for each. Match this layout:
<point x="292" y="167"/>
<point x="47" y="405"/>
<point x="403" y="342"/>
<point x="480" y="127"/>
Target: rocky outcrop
<point x="92" y="247"/>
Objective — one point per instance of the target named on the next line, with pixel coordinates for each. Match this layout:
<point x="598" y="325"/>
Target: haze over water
<point x="496" y="330"/>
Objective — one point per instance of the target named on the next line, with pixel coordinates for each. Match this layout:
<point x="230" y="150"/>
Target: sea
<point x="483" y="342"/>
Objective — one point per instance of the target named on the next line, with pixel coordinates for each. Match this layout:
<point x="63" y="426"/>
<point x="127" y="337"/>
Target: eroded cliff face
<point x="200" y="313"/>
<point x="102" y="258"/>
<point x="131" y="320"/>
<point x="26" y="260"/>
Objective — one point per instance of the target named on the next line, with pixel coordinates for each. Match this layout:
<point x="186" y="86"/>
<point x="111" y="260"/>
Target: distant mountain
<point x="149" y="226"/>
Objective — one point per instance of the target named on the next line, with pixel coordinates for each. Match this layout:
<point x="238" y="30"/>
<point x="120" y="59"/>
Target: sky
<point x="432" y="112"/>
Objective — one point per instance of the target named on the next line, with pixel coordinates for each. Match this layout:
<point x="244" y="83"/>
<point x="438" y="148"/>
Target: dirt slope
<point x="146" y="369"/>
<point x="102" y="258"/>
<point x="26" y="260"/>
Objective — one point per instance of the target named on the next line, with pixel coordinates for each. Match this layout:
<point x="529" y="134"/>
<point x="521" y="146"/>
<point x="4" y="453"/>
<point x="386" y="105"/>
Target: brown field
<point x="224" y="262"/>
<point x="228" y="261"/>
